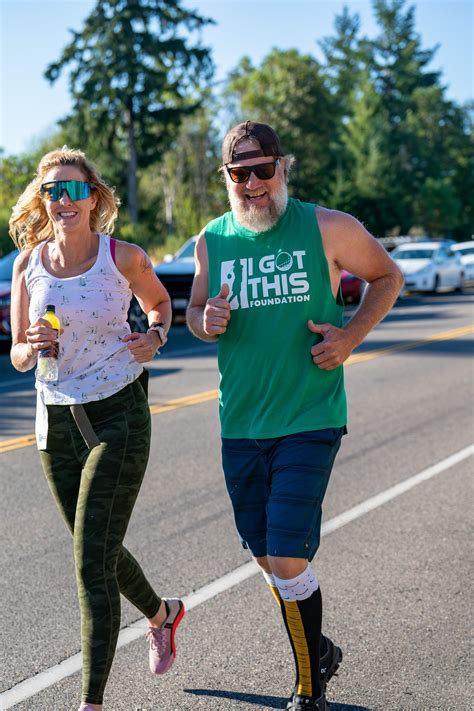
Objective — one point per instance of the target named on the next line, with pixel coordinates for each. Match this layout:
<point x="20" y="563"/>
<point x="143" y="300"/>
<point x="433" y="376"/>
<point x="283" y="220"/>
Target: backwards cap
<point x="260" y="133"/>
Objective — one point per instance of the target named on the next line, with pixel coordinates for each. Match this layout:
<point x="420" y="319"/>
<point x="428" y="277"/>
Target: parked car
<point x="352" y="287"/>
<point x="429" y="266"/>
<point x="176" y="273"/>
<point x="466" y="252"/>
<point x="6" y="271"/>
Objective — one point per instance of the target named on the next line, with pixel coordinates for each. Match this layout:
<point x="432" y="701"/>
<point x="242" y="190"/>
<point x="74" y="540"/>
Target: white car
<point x="429" y="266"/>
<point x="466" y="252"/>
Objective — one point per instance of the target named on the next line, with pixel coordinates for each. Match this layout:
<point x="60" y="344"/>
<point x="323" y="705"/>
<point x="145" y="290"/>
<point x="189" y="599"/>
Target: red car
<point x="352" y="288"/>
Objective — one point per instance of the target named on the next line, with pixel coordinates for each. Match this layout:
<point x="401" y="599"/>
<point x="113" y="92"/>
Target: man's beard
<point x="259" y="219"/>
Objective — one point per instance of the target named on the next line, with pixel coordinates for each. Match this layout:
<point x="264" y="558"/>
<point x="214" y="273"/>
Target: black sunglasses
<point x="263" y="171"/>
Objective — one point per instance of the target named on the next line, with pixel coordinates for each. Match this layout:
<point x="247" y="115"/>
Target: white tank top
<point x="94" y="363"/>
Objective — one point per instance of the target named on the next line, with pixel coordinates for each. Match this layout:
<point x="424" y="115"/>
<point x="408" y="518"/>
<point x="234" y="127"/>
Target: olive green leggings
<point x="95" y="491"/>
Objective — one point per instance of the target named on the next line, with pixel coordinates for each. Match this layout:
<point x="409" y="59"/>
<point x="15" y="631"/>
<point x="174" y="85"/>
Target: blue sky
<point x="33" y="33"/>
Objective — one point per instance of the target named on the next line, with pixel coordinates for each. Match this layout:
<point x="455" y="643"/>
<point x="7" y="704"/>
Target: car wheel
<point x="136" y="318"/>
<point x="460" y="286"/>
<point x="436" y="284"/>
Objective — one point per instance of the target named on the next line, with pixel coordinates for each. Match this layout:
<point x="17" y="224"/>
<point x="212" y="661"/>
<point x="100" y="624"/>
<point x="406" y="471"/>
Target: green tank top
<point x="269" y="385"/>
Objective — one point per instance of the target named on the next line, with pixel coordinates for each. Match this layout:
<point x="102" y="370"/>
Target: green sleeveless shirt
<point x="269" y="385"/>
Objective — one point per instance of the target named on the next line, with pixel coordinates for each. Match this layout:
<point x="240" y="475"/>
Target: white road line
<point x="28" y="688"/>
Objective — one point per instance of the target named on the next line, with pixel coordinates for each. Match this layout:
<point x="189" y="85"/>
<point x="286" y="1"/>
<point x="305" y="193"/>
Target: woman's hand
<point x="143" y="346"/>
<point x="40" y="335"/>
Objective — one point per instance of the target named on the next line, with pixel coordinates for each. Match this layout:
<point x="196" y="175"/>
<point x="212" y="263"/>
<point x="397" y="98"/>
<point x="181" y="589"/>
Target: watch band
<point x="159" y="328"/>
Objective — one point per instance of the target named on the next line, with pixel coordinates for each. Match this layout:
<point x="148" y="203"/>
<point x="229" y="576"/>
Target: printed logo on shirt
<point x="270" y="281"/>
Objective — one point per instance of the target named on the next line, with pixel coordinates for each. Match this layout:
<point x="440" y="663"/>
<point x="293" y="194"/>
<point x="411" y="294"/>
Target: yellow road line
<point x="443" y="336"/>
<point x="9" y="445"/>
<point x="183" y="402"/>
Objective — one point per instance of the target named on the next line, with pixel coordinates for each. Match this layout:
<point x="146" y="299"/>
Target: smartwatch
<point x="159" y="328"/>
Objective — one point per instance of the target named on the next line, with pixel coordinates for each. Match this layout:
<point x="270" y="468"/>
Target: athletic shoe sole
<point x="327" y="672"/>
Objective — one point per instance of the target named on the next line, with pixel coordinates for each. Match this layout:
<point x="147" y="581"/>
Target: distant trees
<point x="134" y="77"/>
<point x="369" y="124"/>
<point x="371" y="129"/>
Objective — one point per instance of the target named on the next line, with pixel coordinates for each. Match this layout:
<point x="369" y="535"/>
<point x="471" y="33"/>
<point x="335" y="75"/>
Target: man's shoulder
<point x="330" y="220"/>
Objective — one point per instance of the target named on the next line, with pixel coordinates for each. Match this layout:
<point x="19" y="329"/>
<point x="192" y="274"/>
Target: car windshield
<point x="6" y="266"/>
<point x="465" y="250"/>
<point x="186" y="251"/>
<point x="414" y="254"/>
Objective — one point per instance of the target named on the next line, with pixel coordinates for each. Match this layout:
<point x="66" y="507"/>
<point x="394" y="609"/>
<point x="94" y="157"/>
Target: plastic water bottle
<point x="48" y="357"/>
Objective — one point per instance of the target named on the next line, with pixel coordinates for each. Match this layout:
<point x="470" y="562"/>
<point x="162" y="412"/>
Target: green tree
<point x="134" y="77"/>
<point x="190" y="178"/>
<point x="399" y="62"/>
<point x="437" y="206"/>
<point x="463" y="178"/>
<point x="15" y="174"/>
<point x="345" y="55"/>
<point x="399" y="67"/>
<point x="367" y="174"/>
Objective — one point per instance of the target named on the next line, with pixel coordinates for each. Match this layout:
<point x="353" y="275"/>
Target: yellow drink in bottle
<point x="48" y="357"/>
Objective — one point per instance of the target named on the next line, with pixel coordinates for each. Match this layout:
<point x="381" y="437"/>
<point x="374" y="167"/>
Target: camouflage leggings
<point x="95" y="491"/>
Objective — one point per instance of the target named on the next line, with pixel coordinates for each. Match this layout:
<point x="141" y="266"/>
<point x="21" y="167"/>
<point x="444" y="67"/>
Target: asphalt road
<point x="396" y="580"/>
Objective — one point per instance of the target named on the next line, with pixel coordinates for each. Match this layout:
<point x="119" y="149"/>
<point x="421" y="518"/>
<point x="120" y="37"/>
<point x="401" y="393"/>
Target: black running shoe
<point x="307" y="703"/>
<point x="330" y="661"/>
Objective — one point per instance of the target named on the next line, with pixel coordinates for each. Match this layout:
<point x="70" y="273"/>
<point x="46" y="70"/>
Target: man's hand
<point x="217" y="313"/>
<point x="334" y="349"/>
<point x="143" y="346"/>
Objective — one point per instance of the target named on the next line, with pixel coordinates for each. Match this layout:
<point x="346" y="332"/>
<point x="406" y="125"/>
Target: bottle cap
<point x="51" y="307"/>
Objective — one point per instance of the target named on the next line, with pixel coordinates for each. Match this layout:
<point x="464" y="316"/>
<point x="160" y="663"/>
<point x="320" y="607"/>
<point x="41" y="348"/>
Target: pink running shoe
<point x="161" y="639"/>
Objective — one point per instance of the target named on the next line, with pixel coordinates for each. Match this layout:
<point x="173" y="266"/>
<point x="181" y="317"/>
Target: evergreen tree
<point x="345" y="55"/>
<point x="437" y="206"/>
<point x="188" y="178"/>
<point x="368" y="174"/>
<point x="399" y="69"/>
<point x="134" y="77"/>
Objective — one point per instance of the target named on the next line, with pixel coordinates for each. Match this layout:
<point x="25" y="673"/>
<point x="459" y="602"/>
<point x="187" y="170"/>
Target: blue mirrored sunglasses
<point x="76" y="189"/>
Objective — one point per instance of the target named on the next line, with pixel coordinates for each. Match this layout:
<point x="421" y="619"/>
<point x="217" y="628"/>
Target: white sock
<point x="299" y="588"/>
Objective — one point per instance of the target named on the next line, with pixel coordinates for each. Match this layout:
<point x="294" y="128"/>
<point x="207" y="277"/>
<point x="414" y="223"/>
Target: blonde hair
<point x="29" y="222"/>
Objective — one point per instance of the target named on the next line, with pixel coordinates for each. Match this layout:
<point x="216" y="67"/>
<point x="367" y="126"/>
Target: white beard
<point x="259" y="219"/>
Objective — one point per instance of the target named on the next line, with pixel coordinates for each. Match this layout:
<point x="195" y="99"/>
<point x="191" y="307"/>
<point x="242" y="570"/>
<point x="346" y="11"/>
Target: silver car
<point x="466" y="252"/>
<point x="429" y="266"/>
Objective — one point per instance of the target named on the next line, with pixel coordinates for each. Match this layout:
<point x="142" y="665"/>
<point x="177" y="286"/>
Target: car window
<point x="186" y="251"/>
<point x="413" y="254"/>
<point x="465" y="250"/>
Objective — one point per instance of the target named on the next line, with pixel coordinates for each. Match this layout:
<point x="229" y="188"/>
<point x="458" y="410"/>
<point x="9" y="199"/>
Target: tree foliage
<point x="134" y="77"/>
<point x="370" y="125"/>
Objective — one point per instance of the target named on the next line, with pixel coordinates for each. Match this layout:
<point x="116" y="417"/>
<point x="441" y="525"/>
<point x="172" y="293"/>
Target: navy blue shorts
<point x="277" y="487"/>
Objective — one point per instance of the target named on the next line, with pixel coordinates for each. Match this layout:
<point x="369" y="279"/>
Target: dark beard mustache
<point x="258" y="219"/>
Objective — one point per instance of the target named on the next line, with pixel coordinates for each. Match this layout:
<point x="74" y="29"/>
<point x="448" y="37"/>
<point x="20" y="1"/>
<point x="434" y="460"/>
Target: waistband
<point x="91" y="412"/>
